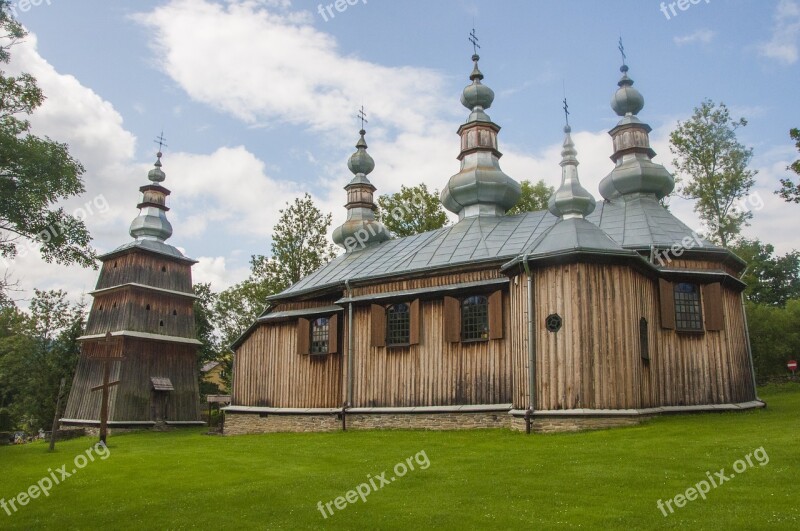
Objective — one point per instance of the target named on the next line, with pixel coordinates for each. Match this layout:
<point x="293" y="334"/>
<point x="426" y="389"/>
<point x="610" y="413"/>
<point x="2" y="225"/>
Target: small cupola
<point x="361" y="228"/>
<point x="481" y="188"/>
<point x="634" y="171"/>
<point x="152" y="222"/>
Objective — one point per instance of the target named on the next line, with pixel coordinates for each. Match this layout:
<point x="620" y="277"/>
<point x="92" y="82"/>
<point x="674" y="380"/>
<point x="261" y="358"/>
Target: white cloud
<point x="703" y="36"/>
<point x="783" y="46"/>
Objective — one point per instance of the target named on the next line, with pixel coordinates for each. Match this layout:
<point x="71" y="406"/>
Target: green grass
<point x="476" y="479"/>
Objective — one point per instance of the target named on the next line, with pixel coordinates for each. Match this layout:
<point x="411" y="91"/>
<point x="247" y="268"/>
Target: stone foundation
<point x="248" y="423"/>
<point x="250" y="420"/>
<point x="573" y="424"/>
<point x="428" y="421"/>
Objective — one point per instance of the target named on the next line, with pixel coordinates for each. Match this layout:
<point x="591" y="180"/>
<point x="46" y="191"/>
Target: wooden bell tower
<point x="144" y="298"/>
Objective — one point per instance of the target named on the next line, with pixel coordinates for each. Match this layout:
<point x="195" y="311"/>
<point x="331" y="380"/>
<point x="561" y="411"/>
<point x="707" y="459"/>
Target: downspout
<point x="350" y="351"/>
<point x="531" y="349"/>
<point x="749" y="346"/>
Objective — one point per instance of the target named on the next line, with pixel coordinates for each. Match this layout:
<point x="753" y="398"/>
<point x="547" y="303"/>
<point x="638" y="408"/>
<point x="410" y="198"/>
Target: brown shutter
<point x="452" y="320"/>
<point x="413" y="336"/>
<point x="712" y="304"/>
<point x="378" y="332"/>
<point x="496" y="315"/>
<point x="303" y="336"/>
<point x="333" y="334"/>
<point x="667" y="297"/>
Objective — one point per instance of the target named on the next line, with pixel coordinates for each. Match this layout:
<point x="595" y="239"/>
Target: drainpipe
<point x="350" y="351"/>
<point x="749" y="346"/>
<point x="531" y="349"/>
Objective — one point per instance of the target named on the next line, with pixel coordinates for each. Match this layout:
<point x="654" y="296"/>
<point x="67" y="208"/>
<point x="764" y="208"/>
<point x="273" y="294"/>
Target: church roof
<point x="635" y="222"/>
<point x="153" y="246"/>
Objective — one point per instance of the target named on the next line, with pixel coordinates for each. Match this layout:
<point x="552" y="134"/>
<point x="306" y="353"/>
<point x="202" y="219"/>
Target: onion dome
<point x="477" y="97"/>
<point x="361" y="228"/>
<point x="481" y="188"/>
<point x="626" y="100"/>
<point x="571" y="200"/>
<point x="152" y="222"/>
<point x="634" y="171"/>
<point x="361" y="161"/>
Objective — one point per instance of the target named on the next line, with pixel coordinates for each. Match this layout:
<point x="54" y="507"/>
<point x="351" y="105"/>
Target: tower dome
<point x="152" y="222"/>
<point x="481" y="188"/>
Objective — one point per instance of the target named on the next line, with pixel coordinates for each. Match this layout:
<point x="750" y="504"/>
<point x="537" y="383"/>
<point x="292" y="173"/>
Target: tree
<point x="774" y="337"/>
<point x="412" y="210"/>
<point x="37" y="349"/>
<point x="790" y="191"/>
<point x="300" y="243"/>
<point x="534" y="197"/>
<point x="771" y="280"/>
<point x="35" y="173"/>
<point x="238" y="306"/>
<point x="714" y="168"/>
<point x="299" y="246"/>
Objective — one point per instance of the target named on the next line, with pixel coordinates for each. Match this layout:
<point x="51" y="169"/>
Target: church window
<point x="319" y="335"/>
<point x="475" y="318"/>
<point x="398" y="325"/>
<point x="688" y="312"/>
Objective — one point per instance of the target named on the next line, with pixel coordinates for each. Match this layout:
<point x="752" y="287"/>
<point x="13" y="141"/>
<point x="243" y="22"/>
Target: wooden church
<point x="144" y="299"/>
<point x="584" y="315"/>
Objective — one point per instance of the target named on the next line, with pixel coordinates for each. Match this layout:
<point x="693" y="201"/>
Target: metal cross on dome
<point x="566" y="110"/>
<point x="363" y="117"/>
<point x="473" y="38"/>
<point x="161" y="141"/>
<point x="621" y="48"/>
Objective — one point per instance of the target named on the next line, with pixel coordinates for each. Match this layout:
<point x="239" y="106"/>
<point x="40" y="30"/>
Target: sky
<point x="258" y="100"/>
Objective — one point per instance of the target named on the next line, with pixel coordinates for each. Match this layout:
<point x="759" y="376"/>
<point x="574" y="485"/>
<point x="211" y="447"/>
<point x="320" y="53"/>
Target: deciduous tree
<point x="35" y="173"/>
<point x="534" y="197"/>
<point x="412" y="210"/>
<point x="714" y="167"/>
<point x="790" y="191"/>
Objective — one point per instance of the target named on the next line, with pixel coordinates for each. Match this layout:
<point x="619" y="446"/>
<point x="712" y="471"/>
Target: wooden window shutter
<point x="413" y="332"/>
<point x="496" y="315"/>
<point x="667" y="297"/>
<point x="378" y="331"/>
<point x="303" y="336"/>
<point x="333" y="334"/>
<point x="452" y="320"/>
<point x="712" y="306"/>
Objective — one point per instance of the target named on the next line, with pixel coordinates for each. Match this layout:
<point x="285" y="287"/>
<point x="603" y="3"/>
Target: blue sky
<point x="258" y="101"/>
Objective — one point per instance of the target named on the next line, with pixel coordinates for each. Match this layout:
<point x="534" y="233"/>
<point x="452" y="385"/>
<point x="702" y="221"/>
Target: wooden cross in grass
<point x="108" y="343"/>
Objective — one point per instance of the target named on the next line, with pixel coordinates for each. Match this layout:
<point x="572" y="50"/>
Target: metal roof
<point x="635" y="221"/>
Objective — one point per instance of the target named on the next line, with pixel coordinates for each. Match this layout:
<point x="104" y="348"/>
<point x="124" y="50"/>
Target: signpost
<point x="792" y="366"/>
<point x="108" y="342"/>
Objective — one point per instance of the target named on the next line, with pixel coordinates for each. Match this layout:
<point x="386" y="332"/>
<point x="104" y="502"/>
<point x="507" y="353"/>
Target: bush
<point x="775" y="338"/>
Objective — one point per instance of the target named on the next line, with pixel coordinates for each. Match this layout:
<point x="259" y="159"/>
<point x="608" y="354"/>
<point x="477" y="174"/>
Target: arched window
<point x="688" y="313"/>
<point x="398" y="325"/>
<point x="475" y="318"/>
<point x="319" y="335"/>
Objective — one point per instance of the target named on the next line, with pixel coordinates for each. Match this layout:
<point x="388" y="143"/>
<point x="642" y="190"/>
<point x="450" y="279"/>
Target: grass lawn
<point x="608" y="479"/>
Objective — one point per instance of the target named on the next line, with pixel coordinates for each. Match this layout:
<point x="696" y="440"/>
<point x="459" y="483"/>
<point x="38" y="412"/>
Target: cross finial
<point x="566" y="110"/>
<point x="363" y="117"/>
<point x="621" y="48"/>
<point x="161" y="141"/>
<point x="473" y="38"/>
